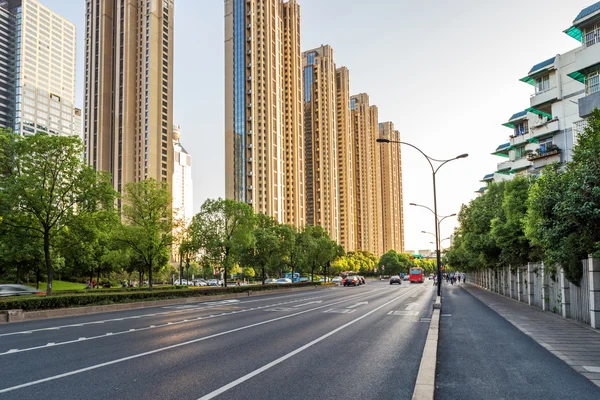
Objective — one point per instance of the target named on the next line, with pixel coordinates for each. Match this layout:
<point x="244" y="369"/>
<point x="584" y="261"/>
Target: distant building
<point x="37" y="70"/>
<point x="183" y="189"/>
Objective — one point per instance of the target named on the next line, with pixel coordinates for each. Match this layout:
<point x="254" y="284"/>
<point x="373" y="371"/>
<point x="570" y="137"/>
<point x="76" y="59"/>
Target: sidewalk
<point x="481" y="355"/>
<point x="576" y="344"/>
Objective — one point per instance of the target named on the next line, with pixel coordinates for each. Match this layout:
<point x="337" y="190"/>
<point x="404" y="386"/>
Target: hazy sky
<point x="445" y="72"/>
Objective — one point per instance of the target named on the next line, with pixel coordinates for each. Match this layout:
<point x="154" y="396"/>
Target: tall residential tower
<point x="391" y="190"/>
<point x="129" y="89"/>
<point x="263" y="107"/>
<point x="37" y="70"/>
<point x="322" y="187"/>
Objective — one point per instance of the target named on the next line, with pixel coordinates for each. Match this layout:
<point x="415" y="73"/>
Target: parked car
<point x="18" y="290"/>
<point x="182" y="282"/>
<point x="283" y="281"/>
<point x="337" y="279"/>
<point x="270" y="281"/>
<point x="351" y="280"/>
<point x="199" y="282"/>
<point x="212" y="282"/>
<point x="395" y="279"/>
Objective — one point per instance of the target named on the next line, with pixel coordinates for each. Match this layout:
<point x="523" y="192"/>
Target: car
<point x="270" y="281"/>
<point x="431" y="276"/>
<point x="212" y="282"/>
<point x="283" y="281"/>
<point x="395" y="279"/>
<point x="18" y="290"/>
<point x="362" y="280"/>
<point x="406" y="278"/>
<point x="199" y="282"/>
<point x="351" y="280"/>
<point x="337" y="279"/>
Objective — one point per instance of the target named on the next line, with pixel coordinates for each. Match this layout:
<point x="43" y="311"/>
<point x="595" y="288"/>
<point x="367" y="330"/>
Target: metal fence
<point x="579" y="297"/>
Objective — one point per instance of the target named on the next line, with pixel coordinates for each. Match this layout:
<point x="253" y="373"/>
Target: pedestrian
<point x="238" y="282"/>
<point x="458" y="278"/>
<point x="464" y="278"/>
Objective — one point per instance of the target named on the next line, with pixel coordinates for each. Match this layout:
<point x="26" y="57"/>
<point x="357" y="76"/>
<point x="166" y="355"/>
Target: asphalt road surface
<point x="483" y="356"/>
<point x="341" y="343"/>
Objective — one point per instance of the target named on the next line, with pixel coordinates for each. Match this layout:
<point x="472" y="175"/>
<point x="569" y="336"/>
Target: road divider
<point x="425" y="384"/>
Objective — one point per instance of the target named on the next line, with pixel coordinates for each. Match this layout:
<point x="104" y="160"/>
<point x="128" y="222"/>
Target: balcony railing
<point x="543" y="154"/>
<point x="537" y="93"/>
<point x="591" y="38"/>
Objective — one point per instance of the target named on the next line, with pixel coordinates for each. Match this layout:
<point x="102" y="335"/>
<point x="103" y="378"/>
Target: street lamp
<point x="434" y="171"/>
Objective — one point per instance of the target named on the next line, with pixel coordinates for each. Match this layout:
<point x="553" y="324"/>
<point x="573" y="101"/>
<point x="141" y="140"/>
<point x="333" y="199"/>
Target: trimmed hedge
<point x="34" y="303"/>
<point x="118" y="290"/>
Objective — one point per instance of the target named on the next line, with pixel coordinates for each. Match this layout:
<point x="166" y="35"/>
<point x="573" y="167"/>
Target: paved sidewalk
<point x="483" y="356"/>
<point x="576" y="344"/>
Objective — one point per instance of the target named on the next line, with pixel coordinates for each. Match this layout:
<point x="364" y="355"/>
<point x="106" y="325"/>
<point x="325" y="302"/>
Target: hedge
<point x="118" y="290"/>
<point x="40" y="302"/>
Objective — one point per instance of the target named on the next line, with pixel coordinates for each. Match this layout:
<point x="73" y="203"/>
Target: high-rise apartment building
<point x="345" y="160"/>
<point x="322" y="188"/>
<point x="37" y="70"/>
<point x="391" y="190"/>
<point x="129" y="89"/>
<point x="293" y="129"/>
<point x="375" y="195"/>
<point x="364" y="141"/>
<point x="263" y="107"/>
<point x="183" y="195"/>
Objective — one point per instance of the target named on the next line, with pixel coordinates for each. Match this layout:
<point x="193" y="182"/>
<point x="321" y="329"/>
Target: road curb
<point x="425" y="384"/>
<point x="12" y="316"/>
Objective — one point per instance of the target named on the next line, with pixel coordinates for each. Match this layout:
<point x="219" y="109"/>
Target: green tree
<point x="222" y="231"/>
<point x="147" y="226"/>
<point x="46" y="188"/>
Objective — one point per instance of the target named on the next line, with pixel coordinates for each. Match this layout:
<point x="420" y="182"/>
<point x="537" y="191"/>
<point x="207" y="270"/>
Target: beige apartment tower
<point x="345" y="160"/>
<point x="375" y="195"/>
<point x="263" y="107"/>
<point x="129" y="89"/>
<point x="322" y="190"/>
<point x="391" y="189"/>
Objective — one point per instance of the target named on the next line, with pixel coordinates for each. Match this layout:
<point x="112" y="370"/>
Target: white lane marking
<point x="358" y="304"/>
<point x="306" y="304"/>
<point x="293" y="353"/>
<point x="166" y="313"/>
<point x="339" y="311"/>
<point x="50" y="344"/>
<point x="173" y="346"/>
<point x="411" y="306"/>
<point x="147" y="328"/>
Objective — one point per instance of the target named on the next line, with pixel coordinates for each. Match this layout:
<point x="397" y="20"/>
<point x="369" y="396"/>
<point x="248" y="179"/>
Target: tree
<point x="147" y="226"/>
<point x="221" y="231"/>
<point x="394" y="263"/>
<point x="46" y="187"/>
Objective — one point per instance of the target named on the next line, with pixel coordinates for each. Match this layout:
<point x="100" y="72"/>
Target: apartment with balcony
<point x="565" y="90"/>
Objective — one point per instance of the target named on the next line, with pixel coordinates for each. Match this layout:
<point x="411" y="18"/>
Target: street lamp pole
<point x="434" y="171"/>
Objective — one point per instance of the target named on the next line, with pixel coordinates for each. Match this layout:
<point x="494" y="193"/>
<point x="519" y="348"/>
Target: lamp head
<point x="382" y="140"/>
<point x="463" y="156"/>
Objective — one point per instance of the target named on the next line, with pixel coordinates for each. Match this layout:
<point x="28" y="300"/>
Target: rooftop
<point x="587" y="11"/>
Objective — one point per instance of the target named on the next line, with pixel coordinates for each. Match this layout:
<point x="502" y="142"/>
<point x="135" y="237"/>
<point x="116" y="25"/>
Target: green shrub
<point x="107" y="296"/>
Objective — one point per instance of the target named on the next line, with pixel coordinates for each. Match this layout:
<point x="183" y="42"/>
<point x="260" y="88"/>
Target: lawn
<point x="62" y="285"/>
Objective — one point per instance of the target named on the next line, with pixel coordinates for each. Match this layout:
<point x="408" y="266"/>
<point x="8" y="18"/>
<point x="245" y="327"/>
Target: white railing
<point x="592" y="85"/>
<point x="537" y="93"/>
<point x="579" y="127"/>
<point x="591" y="38"/>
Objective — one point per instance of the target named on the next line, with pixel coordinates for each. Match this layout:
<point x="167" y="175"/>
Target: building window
<point x="519" y="152"/>
<point x="522" y="128"/>
<point x="542" y="84"/>
<point x="545" y="145"/>
<point x="592" y="82"/>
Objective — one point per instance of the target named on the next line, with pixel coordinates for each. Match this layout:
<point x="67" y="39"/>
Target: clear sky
<point x="445" y="72"/>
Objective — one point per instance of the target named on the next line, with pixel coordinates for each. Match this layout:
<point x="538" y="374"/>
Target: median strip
<point x="425" y="384"/>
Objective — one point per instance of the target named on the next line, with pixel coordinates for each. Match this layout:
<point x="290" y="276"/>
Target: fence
<point x="548" y="289"/>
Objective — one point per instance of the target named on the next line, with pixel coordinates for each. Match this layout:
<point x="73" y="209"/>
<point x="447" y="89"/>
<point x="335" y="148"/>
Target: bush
<point x="108" y="296"/>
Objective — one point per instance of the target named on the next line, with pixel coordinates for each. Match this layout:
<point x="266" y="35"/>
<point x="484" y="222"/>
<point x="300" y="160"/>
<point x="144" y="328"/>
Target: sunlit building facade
<point x="391" y="190"/>
<point x="129" y="89"/>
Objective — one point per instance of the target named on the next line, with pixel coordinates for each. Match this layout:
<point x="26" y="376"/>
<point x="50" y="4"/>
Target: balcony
<point x="543" y="97"/>
<point x="520" y="164"/>
<point x="504" y="167"/>
<point x="589" y="54"/>
<point x="549" y="152"/>
<point x="546" y="128"/>
<point x="522" y="138"/>
<point x="591" y="101"/>
<point x="540" y="160"/>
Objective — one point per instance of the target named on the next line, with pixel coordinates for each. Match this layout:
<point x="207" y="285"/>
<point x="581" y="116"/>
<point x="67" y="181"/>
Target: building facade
<point x="37" y="70"/>
<point x="345" y="160"/>
<point x="376" y="193"/>
<point x="322" y="187"/>
<point x="263" y="107"/>
<point x="183" y="187"/>
<point x="391" y="190"/>
<point x="129" y="89"/>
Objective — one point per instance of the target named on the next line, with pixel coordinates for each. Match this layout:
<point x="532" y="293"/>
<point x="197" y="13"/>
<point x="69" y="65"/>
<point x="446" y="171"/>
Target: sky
<point x="445" y="72"/>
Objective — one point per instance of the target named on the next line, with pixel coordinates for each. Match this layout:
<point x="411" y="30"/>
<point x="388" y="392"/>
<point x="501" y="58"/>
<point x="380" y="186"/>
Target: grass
<point x="62" y="285"/>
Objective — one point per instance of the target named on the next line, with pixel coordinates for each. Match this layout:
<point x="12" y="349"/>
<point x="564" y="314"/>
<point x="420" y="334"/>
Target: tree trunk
<point x="18" y="272"/>
<point x="180" y="268"/>
<point x="91" y="277"/>
<point x="98" y="281"/>
<point x="140" y="280"/>
<point x="312" y="274"/>
<point x="37" y="276"/>
<point x="150" y="275"/>
<point x="48" y="262"/>
<point x="263" y="275"/>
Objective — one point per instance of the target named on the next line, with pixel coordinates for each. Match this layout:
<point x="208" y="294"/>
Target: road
<point x="483" y="356"/>
<point x="341" y="343"/>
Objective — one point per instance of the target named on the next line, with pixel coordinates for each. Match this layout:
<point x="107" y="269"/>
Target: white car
<point x="270" y="281"/>
<point x="182" y="282"/>
<point x="200" y="282"/>
<point x="337" y="279"/>
<point x="283" y="281"/>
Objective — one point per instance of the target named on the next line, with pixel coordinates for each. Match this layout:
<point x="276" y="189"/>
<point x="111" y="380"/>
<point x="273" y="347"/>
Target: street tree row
<point x="554" y="218"/>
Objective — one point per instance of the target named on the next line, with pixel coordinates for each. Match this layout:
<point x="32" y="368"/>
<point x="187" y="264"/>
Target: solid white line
<point x="270" y="365"/>
<point x="174" y="346"/>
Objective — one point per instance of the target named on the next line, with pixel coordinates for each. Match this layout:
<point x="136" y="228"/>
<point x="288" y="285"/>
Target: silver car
<point x="18" y="290"/>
